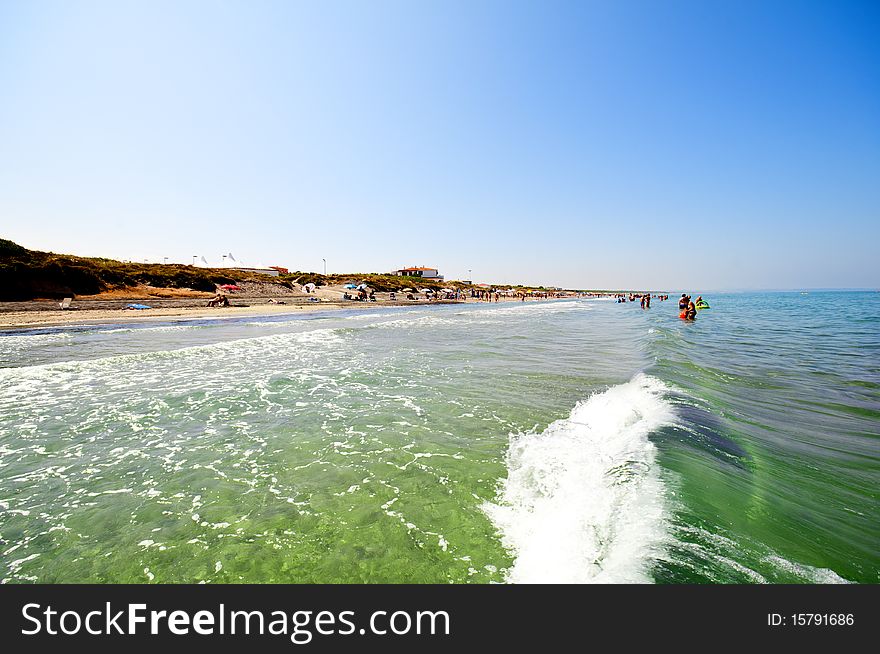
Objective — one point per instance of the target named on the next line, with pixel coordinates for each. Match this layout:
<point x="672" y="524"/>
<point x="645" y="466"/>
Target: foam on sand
<point x="583" y="501"/>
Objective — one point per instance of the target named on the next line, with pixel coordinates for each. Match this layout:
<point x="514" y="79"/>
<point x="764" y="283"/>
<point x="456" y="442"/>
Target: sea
<point x="565" y="441"/>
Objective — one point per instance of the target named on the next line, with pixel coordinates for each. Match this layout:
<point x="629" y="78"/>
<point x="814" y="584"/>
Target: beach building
<point x="429" y="274"/>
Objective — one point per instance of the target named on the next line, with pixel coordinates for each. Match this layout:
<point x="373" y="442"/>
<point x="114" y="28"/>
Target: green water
<point x="564" y="441"/>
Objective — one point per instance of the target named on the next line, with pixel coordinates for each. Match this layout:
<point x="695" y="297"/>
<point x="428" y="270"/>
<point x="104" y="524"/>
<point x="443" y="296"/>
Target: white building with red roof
<point x="429" y="274"/>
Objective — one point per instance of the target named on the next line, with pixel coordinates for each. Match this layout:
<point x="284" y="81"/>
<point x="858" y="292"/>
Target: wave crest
<point x="583" y="501"/>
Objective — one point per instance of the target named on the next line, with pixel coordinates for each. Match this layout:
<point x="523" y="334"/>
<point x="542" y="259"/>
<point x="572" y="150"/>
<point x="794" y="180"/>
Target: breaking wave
<point x="583" y="501"/>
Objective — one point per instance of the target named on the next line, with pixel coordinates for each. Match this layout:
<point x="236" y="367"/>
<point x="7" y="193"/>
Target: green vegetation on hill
<point x="28" y="274"/>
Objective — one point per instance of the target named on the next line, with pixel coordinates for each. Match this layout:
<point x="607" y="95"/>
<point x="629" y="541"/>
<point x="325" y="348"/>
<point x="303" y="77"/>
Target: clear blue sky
<point x="659" y="144"/>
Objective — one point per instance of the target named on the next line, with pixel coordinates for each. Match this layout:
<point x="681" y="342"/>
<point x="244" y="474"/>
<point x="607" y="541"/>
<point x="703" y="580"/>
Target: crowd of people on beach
<point x="363" y="293"/>
<point x="494" y="295"/>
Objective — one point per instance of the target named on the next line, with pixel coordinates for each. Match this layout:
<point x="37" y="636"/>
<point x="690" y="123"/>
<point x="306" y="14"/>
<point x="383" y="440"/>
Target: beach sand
<point x="45" y="313"/>
<point x="54" y="318"/>
<point x="254" y="299"/>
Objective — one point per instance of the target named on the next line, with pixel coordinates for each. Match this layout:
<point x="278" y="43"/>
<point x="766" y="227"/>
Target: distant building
<point x="429" y="274"/>
<point x="281" y="270"/>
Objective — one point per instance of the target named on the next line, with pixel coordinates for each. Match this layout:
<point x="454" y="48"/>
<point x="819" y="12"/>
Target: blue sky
<point x="586" y="144"/>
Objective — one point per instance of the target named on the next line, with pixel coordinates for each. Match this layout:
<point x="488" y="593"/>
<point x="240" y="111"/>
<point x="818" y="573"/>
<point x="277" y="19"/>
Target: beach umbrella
<point x="350" y="286"/>
<point x="230" y="287"/>
<point x="406" y="290"/>
<point x="362" y="287"/>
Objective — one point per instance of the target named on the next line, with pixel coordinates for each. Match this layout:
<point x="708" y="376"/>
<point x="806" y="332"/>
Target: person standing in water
<point x="683" y="302"/>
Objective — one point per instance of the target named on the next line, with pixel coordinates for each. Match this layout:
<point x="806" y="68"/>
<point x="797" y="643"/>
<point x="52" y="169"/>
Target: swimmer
<point x="683" y="301"/>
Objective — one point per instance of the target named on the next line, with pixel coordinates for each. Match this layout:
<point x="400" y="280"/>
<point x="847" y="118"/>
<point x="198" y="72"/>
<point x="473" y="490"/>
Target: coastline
<point x="21" y="320"/>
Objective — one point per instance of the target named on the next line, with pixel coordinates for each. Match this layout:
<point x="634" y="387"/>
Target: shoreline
<point x="23" y="320"/>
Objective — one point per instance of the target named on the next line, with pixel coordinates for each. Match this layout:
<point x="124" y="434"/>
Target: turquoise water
<point x="573" y="441"/>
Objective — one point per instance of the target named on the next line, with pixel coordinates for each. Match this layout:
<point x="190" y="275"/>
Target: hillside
<point x="29" y="274"/>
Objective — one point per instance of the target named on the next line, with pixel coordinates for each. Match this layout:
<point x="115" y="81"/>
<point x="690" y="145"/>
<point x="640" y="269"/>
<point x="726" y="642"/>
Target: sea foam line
<point x="583" y="501"/>
<point x="240" y="346"/>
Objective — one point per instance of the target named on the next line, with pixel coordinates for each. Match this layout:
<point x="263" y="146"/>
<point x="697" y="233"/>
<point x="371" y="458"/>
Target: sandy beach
<point x="45" y="313"/>
<point x="54" y="318"/>
<point x="47" y="317"/>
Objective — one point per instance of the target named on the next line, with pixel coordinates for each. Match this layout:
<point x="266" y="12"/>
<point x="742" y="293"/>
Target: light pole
<point x="194" y="259"/>
<point x="470" y="280"/>
<point x="325" y="266"/>
<point x="165" y="260"/>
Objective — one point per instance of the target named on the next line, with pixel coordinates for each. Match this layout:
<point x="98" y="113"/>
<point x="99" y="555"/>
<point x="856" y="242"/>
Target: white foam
<point x="806" y="572"/>
<point x="583" y="501"/>
<point x="251" y="346"/>
<point x="13" y="346"/>
<point x="141" y="330"/>
<point x="369" y="316"/>
<point x="531" y="307"/>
